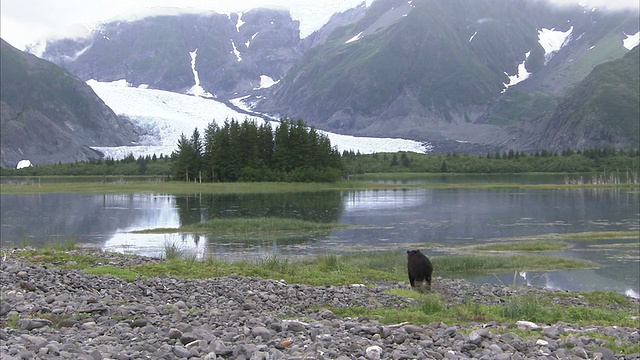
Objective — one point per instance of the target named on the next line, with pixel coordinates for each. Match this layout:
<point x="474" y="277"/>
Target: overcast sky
<point x="24" y="21"/>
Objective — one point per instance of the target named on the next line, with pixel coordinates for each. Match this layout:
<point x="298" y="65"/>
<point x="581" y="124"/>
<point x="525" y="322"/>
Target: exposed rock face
<point x="48" y="115"/>
<point x="232" y="51"/>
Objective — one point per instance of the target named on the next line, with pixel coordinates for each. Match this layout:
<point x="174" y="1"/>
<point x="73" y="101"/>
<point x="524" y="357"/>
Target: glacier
<point x="163" y="116"/>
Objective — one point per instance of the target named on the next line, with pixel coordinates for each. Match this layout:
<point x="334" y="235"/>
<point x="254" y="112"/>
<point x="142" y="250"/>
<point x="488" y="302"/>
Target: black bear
<point x="419" y="268"/>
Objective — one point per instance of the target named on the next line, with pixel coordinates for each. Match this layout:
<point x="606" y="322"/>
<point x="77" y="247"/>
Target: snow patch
<point x="236" y="52"/>
<point x="355" y="38"/>
<point x="521" y="76"/>
<point x="474" y="35"/>
<point x="241" y="104"/>
<point x="75" y="56"/>
<point x="249" y="42"/>
<point x="23" y="164"/>
<point x="631" y="41"/>
<point x="266" y="82"/>
<point x="553" y="40"/>
<point x="240" y="22"/>
<point x="197" y="89"/>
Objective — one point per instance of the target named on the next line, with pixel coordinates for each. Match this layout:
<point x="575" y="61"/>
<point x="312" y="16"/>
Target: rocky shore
<point x="53" y="313"/>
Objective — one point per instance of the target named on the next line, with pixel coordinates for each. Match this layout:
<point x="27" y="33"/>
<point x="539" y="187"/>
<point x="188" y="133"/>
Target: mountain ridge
<point x="466" y="77"/>
<point x="48" y="114"/>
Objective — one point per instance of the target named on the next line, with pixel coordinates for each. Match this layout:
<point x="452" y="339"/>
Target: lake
<point x="381" y="219"/>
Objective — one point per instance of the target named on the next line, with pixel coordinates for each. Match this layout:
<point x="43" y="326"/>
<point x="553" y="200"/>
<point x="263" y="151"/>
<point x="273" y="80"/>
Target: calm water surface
<point x="383" y="219"/>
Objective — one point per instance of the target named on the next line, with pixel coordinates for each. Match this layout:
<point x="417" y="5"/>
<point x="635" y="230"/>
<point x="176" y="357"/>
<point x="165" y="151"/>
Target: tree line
<point x="567" y="161"/>
<point x="247" y="152"/>
<point x="235" y="151"/>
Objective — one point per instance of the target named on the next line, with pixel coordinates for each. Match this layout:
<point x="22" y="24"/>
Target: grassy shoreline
<point x="262" y="187"/>
<point x="603" y="308"/>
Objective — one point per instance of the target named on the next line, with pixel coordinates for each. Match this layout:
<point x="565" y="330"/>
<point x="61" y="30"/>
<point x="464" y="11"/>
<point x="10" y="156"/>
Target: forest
<point x="245" y="151"/>
<point x="294" y="152"/>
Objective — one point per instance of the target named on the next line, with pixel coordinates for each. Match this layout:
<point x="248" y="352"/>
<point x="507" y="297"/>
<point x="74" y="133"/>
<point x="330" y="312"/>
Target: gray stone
<point x="261" y="331"/>
<point x="551" y="332"/>
<point x="410" y="329"/>
<point x="181" y="352"/>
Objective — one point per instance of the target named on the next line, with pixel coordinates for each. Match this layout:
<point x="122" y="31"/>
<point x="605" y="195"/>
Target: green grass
<point x="66" y="245"/>
<point x="173" y="251"/>
<point x="461" y="264"/>
<point x="432" y="308"/>
<point x="327" y="269"/>
<point x="126" y="274"/>
<point x="231" y="226"/>
<point x="598" y="235"/>
<point x="538" y="245"/>
<point x="585" y="236"/>
<point x="603" y="299"/>
<point x="250" y="229"/>
<point x="169" y="187"/>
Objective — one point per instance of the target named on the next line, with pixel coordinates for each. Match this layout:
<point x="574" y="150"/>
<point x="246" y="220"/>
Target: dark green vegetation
<point x="606" y="162"/>
<point x="248" y="152"/>
<point x="604" y="107"/>
<point x="47" y="113"/>
<point x="595" y="160"/>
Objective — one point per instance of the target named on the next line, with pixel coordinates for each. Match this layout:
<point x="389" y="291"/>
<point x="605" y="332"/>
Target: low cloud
<point x="600" y="4"/>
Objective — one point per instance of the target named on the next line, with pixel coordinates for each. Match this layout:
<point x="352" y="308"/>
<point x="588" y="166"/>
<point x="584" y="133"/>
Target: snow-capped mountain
<point x="461" y="76"/>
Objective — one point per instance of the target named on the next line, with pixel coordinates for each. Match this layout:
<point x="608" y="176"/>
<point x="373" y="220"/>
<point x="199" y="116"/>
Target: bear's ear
<point x="409" y="251"/>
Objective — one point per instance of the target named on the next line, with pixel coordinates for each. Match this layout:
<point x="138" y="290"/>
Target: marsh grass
<point x="432" y="308"/>
<point x="585" y="236"/>
<point x="602" y="299"/>
<point x="253" y="229"/>
<point x="523" y="308"/>
<point x="461" y="264"/>
<point x="394" y="262"/>
<point x="258" y="225"/>
<point x="173" y="251"/>
<point x="175" y="187"/>
<point x="534" y="245"/>
<point x="65" y="245"/>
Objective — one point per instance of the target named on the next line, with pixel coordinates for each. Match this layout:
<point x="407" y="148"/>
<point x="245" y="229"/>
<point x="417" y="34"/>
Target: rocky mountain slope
<point x="49" y="115"/>
<point x="602" y="110"/>
<point x="446" y="70"/>
<point x="462" y="76"/>
<point x="227" y="54"/>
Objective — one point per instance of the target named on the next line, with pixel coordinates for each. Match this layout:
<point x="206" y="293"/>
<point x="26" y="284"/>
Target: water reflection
<point x="380" y="219"/>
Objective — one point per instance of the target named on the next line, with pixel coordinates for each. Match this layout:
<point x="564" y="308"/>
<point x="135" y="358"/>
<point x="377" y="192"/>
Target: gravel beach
<point x="52" y="313"/>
